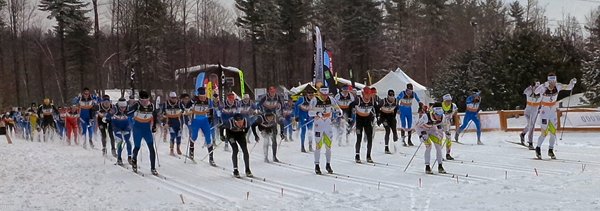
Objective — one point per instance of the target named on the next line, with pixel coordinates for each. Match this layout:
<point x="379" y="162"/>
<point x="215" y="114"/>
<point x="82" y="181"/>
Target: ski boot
<point x="154" y="172"/>
<point x="119" y="162"/>
<point x="236" y="173"/>
<point x="129" y="160"/>
<point x="84" y="145"/>
<point x="387" y="150"/>
<point x="441" y="169"/>
<point x="104" y="151"/>
<point x="91" y="144"/>
<point x="134" y="165"/>
<point x="211" y="160"/>
<point x="267" y="160"/>
<point x="276" y="160"/>
<point x="428" y="170"/>
<point x="114" y="152"/>
<point x="310" y="148"/>
<point x="551" y="153"/>
<point x="249" y="173"/>
<point x="448" y="157"/>
<point x="328" y="168"/>
<point x="357" y="159"/>
<point x="404" y="143"/>
<point x="191" y="155"/>
<point x="538" y="153"/>
<point x="456" y="136"/>
<point x="530" y="146"/>
<point x="171" y="152"/>
<point x="522" y="136"/>
<point x="302" y="149"/>
<point x="178" y="150"/>
<point x="317" y="169"/>
<point x="369" y="160"/>
<point x="409" y="136"/>
<point x="479" y="142"/>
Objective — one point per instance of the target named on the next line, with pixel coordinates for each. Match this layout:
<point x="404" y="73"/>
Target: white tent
<point x="397" y="80"/>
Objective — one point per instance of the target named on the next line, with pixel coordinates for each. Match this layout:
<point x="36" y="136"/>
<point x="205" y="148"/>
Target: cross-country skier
<point x="405" y="99"/>
<point x="450" y="116"/>
<point x="364" y="107"/>
<point x="122" y="130"/>
<point x="271" y="102"/>
<point x="236" y="128"/>
<point x="248" y="110"/>
<point x="33" y="121"/>
<point x="301" y="111"/>
<point x="104" y="111"/>
<point x="287" y="117"/>
<point x="60" y="121"/>
<point x="186" y="103"/>
<point x="145" y="120"/>
<point x="471" y="114"/>
<point x="46" y="112"/>
<point x="3" y="120"/>
<point x="344" y="99"/>
<point x="267" y="125"/>
<point x="87" y="114"/>
<point x="202" y="110"/>
<point x="228" y="108"/>
<point x="429" y="128"/>
<point x="72" y="124"/>
<point x="322" y="108"/>
<point x="531" y="112"/>
<point x="387" y="117"/>
<point x="173" y="110"/>
<point x="549" y="92"/>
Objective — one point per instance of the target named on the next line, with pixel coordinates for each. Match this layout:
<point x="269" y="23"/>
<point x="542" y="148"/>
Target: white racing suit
<point x="430" y="131"/>
<point x="322" y="111"/>
<point x="548" y="116"/>
<point x="531" y="112"/>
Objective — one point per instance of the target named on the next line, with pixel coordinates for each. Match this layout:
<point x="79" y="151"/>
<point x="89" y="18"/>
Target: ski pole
<point x="566" y="112"/>
<point x="411" y="159"/>
<point x="468" y="125"/>
<point x="156" y="152"/>
<point x="187" y="150"/>
<point x="211" y="151"/>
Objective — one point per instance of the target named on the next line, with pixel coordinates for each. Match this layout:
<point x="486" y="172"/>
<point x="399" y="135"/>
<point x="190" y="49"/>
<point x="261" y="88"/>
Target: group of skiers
<point x="316" y="113"/>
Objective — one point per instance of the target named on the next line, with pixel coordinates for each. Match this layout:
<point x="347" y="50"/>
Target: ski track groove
<point x="352" y="178"/>
<point x="278" y="185"/>
<point x="394" y="167"/>
<point x="252" y="183"/>
<point x="162" y="183"/>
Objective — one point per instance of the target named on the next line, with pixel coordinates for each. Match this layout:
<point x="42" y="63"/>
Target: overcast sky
<point x="555" y="10"/>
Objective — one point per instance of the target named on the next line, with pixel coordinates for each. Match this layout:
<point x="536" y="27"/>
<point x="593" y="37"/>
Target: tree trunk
<point x="63" y="60"/>
<point x="99" y="77"/>
<point x="41" y="72"/>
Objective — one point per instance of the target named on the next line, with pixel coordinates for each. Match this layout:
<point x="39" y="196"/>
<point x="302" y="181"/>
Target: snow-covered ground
<point x="495" y="176"/>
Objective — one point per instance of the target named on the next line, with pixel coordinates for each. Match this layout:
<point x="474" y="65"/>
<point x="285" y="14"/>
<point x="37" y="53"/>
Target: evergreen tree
<point x="252" y="22"/>
<point x="591" y="64"/>
<point x="360" y="27"/>
<point x="293" y="17"/>
<point x="516" y="12"/>
<point x="145" y="52"/>
<point x="70" y="18"/>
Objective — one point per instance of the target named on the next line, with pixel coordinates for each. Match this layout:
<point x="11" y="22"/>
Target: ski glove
<point x="153" y="128"/>
<point x="256" y="138"/>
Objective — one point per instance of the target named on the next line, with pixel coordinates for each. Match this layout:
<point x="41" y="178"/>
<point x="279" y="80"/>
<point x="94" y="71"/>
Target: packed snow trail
<point x="495" y="176"/>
